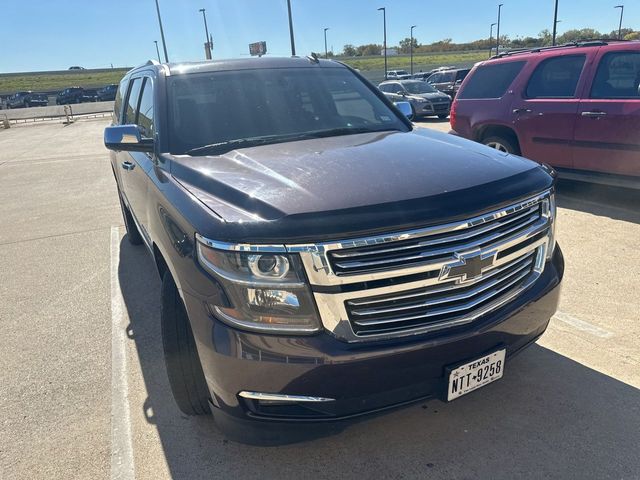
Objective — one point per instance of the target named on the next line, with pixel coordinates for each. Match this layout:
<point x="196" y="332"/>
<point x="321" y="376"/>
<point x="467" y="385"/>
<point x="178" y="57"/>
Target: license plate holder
<point x="474" y="374"/>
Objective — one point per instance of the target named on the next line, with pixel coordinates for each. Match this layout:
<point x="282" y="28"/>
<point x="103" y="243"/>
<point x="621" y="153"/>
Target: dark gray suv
<point x="320" y="257"/>
<point x="425" y="100"/>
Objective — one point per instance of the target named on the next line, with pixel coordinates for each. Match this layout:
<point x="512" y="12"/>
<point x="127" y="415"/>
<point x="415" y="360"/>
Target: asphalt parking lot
<point x="73" y="291"/>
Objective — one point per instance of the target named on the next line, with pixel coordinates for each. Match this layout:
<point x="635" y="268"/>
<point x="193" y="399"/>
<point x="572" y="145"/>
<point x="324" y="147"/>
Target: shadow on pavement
<point x="548" y="417"/>
<point x="614" y="202"/>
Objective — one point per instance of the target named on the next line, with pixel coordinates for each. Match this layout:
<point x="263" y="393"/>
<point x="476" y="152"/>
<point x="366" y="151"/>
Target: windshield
<point x="275" y="104"/>
<point x="419" y="87"/>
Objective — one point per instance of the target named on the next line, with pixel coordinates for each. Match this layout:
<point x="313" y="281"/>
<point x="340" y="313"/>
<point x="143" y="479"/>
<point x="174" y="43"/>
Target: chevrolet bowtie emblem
<point x="468" y="266"/>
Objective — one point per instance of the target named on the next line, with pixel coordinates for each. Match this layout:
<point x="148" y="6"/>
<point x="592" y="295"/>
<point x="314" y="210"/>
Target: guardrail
<point x="66" y="113"/>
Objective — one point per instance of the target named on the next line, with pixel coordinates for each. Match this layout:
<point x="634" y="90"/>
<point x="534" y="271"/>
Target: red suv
<point x="575" y="107"/>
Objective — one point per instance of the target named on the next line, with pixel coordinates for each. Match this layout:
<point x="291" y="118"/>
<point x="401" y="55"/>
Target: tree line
<point x="543" y="39"/>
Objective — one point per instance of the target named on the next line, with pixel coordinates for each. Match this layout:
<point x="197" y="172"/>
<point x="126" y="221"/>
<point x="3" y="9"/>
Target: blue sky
<point x="52" y="35"/>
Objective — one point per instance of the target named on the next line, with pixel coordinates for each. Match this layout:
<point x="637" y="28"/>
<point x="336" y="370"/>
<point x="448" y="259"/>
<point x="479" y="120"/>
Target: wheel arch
<point x="496" y="130"/>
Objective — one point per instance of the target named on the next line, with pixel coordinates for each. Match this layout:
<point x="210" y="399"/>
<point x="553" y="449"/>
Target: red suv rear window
<point x="491" y="80"/>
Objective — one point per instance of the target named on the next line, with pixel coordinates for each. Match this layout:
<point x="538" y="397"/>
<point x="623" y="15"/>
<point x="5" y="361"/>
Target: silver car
<point x="425" y="100"/>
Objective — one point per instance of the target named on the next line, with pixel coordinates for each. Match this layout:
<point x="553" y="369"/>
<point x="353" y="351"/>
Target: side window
<point x="145" y="111"/>
<point x="491" y="81"/>
<point x="383" y="88"/>
<point x="618" y="76"/>
<point x="435" y="78"/>
<point x="132" y="101"/>
<point x="117" y="104"/>
<point x="556" y="77"/>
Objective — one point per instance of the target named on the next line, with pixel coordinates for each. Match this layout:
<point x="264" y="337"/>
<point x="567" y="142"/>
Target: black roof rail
<point x="590" y="42"/>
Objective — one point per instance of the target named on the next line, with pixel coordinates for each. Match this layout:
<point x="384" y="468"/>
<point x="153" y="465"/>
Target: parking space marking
<point x="122" y="467"/>
<point x="582" y="325"/>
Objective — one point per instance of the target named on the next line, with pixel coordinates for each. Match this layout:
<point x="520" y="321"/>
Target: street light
<point x="207" y="45"/>
<point x="384" y="46"/>
<point x="491" y="38"/>
<point x="293" y="43"/>
<point x="498" y="30"/>
<point x="411" y="47"/>
<point x="621" y="7"/>
<point x="157" y="51"/>
<point x="555" y="24"/>
<point x="326" y="53"/>
<point x="164" y="44"/>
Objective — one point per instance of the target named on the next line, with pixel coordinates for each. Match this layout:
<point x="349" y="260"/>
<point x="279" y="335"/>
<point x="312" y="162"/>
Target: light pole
<point x="621" y="7"/>
<point x="498" y="30"/>
<point x="384" y="45"/>
<point x="207" y="45"/>
<point x="491" y="38"/>
<point x="157" y="51"/>
<point x="293" y="43"/>
<point x="326" y="53"/>
<point x="164" y="44"/>
<point x="555" y="24"/>
<point x="411" y="47"/>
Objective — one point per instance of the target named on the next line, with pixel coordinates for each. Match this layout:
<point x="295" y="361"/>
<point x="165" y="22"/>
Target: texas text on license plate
<point x="475" y="374"/>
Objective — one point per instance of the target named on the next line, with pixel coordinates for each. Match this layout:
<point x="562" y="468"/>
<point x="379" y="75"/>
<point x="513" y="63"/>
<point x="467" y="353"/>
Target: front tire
<point x="502" y="144"/>
<point x="184" y="369"/>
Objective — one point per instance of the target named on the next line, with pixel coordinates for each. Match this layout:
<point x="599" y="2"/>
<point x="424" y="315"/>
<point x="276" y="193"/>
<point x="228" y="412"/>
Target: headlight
<point x="267" y="291"/>
<point x="550" y="211"/>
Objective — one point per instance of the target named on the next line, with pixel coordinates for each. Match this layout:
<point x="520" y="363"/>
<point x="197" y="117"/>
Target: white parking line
<point x="582" y="325"/>
<point x="122" y="467"/>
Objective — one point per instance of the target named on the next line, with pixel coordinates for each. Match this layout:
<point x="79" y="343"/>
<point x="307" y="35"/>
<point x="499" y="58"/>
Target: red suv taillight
<point x="452" y="114"/>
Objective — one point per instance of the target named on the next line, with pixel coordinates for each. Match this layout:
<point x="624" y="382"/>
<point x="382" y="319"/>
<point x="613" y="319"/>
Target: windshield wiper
<point x="228" y="145"/>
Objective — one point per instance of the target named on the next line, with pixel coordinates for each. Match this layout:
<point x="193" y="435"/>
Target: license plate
<point x="475" y="374"/>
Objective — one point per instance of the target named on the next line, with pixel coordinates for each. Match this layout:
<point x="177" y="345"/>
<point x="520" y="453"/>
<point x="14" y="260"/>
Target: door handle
<point x="593" y="114"/>
<point x="521" y="110"/>
<point x="128" y="165"/>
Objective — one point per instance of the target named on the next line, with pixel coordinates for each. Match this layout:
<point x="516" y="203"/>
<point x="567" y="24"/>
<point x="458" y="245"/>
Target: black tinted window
<point x="618" y="76"/>
<point x="145" y="111"/>
<point x="556" y="77"/>
<point x="461" y="74"/>
<point x="491" y="81"/>
<point x="117" y="105"/>
<point x="219" y="107"/>
<point x="132" y="101"/>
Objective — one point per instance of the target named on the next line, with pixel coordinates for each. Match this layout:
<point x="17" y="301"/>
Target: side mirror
<point x="127" y="138"/>
<point x="405" y="109"/>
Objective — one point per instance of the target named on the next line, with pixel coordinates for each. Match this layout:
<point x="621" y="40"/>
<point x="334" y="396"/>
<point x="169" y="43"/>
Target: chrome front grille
<point x="422" y="251"/>
<point x="428" y="279"/>
<point x="439" y="306"/>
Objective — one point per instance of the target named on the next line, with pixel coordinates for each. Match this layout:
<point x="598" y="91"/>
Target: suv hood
<point x="433" y="96"/>
<point x="355" y="182"/>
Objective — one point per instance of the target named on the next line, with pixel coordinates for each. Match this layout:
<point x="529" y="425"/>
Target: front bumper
<point x="361" y="378"/>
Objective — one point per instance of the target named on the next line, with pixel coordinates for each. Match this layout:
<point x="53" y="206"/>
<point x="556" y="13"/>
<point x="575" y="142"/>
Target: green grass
<point x="50" y="81"/>
<point x="57" y="81"/>
<point x="428" y="60"/>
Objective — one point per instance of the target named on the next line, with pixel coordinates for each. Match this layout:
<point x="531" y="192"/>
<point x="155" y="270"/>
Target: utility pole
<point x="326" y="53"/>
<point x="384" y="45"/>
<point x="491" y="38"/>
<point x="157" y="51"/>
<point x="207" y="45"/>
<point x="293" y="43"/>
<point x="498" y="30"/>
<point x="164" y="43"/>
<point x="411" y="47"/>
<point x="555" y="24"/>
<point x="621" y="7"/>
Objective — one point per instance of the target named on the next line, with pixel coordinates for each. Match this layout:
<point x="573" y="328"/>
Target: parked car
<point x="107" y="93"/>
<point x="320" y="258"/>
<point x="398" y="74"/>
<point x="89" y="95"/>
<point x="576" y="108"/>
<point x="76" y="67"/>
<point x="70" y="95"/>
<point x="448" y="81"/>
<point x="27" y="99"/>
<point x="425" y="100"/>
